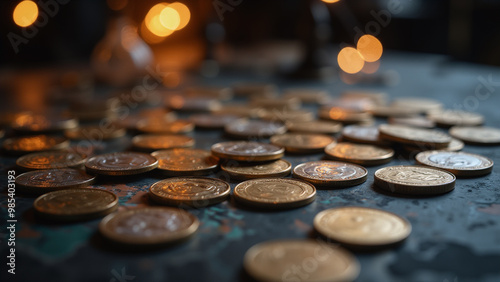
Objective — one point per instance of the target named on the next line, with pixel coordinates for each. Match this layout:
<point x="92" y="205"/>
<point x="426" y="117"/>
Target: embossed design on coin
<point x="330" y="173"/>
<point x="122" y="163"/>
<point x="43" y="181"/>
<point x="31" y="144"/>
<point x="414" y="136"/>
<point x="302" y="142"/>
<point x="186" y="161"/>
<point x="51" y="159"/>
<point x="478" y="135"/>
<point x="240" y="171"/>
<point x="359" y="154"/>
<point x="153" y="142"/>
<point x="247" y="151"/>
<point x="275" y="193"/>
<point x="458" y="163"/>
<point x="192" y="191"/>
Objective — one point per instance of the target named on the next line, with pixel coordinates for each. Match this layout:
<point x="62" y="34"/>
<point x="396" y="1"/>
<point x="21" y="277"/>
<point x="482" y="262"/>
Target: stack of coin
<point x="302" y="143"/>
<point x="31" y="144"/>
<point x="330" y="174"/>
<point x="247" y="151"/>
<point x="315" y="126"/>
<point x="345" y="116"/>
<point x="51" y="159"/>
<point x="414" y="136"/>
<point x="245" y="171"/>
<point x="367" y="155"/>
<point x="246" y="129"/>
<point x="48" y="180"/>
<point x="155" y="142"/>
<point x="477" y="135"/>
<point x="459" y="163"/>
<point x="95" y="132"/>
<point x="449" y="118"/>
<point x="122" y="163"/>
<point x="185" y="162"/>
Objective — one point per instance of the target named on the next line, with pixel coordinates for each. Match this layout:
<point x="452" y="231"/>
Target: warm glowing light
<point x="330" y="1"/>
<point x="157" y="28"/>
<point x="370" y="48"/>
<point x="170" y="18"/>
<point x="25" y="13"/>
<point x="148" y="36"/>
<point x="350" y="60"/>
<point x="154" y="11"/>
<point x="184" y="14"/>
<point x="370" y="67"/>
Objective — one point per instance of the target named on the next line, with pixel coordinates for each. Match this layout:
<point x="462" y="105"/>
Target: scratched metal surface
<point x="455" y="237"/>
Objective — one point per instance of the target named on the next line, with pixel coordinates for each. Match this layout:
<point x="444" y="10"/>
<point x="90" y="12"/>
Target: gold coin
<point x="302" y="142"/>
<point x="211" y="121"/>
<point x="392" y="111"/>
<point x="185" y="162"/>
<point x="122" y="163"/>
<point x="32" y="144"/>
<point x="300" y="260"/>
<point x="274" y="193"/>
<point x="362" y="227"/>
<point x="414" y="136"/>
<point x="191" y="104"/>
<point x="192" y="191"/>
<point x="239" y="171"/>
<point x="345" y="116"/>
<point x="423" y="105"/>
<point x="362" y="134"/>
<point x="154" y="142"/>
<point x="315" y="126"/>
<point x="244" y="128"/>
<point x="454" y="146"/>
<point x="48" y="180"/>
<point x="414" y="180"/>
<point x="39" y="123"/>
<point x="307" y="95"/>
<point x="285" y="115"/>
<point x="448" y="118"/>
<point x="415" y="121"/>
<point x="76" y="204"/>
<point x="51" y="159"/>
<point x="368" y="155"/>
<point x="247" y="151"/>
<point x="458" y="163"/>
<point x="477" y="135"/>
<point x="249" y="89"/>
<point x="149" y="226"/>
<point x="331" y="174"/>
<point x="94" y="132"/>
<point x="162" y="126"/>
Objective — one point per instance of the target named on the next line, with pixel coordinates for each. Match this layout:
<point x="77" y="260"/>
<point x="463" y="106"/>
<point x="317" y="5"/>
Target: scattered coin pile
<point x="348" y="132"/>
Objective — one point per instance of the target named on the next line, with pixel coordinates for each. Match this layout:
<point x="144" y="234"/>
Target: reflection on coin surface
<point x="95" y="132"/>
<point x="359" y="153"/>
<point x="275" y="193"/>
<point x="458" y="163"/>
<point x="315" y="126"/>
<point x="247" y="151"/>
<point x="47" y="180"/>
<point x="345" y="116"/>
<point x="244" y="171"/>
<point x="76" y="204"/>
<point x="302" y="142"/>
<point x="40" y="123"/>
<point x="477" y="135"/>
<point x="244" y="128"/>
<point x="331" y="174"/>
<point x="358" y="226"/>
<point x="362" y="134"/>
<point x="122" y="163"/>
<point x="163" y="126"/>
<point x="31" y="144"/>
<point x="416" y="180"/>
<point x="149" y="226"/>
<point x="193" y="191"/>
<point x="448" y="118"/>
<point x="414" y="136"/>
<point x="211" y="121"/>
<point x="50" y="159"/>
<point x="300" y="260"/>
<point x="154" y="142"/>
<point x="185" y="161"/>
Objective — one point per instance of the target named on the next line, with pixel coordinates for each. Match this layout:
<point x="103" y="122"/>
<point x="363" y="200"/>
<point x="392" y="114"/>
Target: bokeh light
<point x="163" y="19"/>
<point x="370" y="48"/>
<point x="170" y="18"/>
<point x="330" y="1"/>
<point x="184" y="14"/>
<point x="350" y="60"/>
<point x="25" y="13"/>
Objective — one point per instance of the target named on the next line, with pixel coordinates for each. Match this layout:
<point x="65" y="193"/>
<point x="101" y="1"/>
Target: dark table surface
<point x="455" y="236"/>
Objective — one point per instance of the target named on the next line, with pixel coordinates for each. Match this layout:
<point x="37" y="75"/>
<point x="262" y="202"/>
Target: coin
<point x="362" y="227"/>
<point x="43" y="123"/>
<point x="162" y="126"/>
<point x="415" y="121"/>
<point x="122" y="163"/>
<point x="315" y="126"/>
<point x="379" y="98"/>
<point x="285" y="115"/>
<point x="192" y="191"/>
<point x="392" y="111"/>
<point x="300" y="260"/>
<point x="250" y="89"/>
<point x="213" y="92"/>
<point x="244" y="128"/>
<point x="454" y="146"/>
<point x="362" y="134"/>
<point x="95" y="109"/>
<point x="345" y="116"/>
<point x="76" y="204"/>
<point x="51" y="159"/>
<point x="211" y="121"/>
<point x="307" y="95"/>
<point x="48" y="180"/>
<point x="274" y="193"/>
<point x="154" y="142"/>
<point x="302" y="142"/>
<point x="458" y="163"/>
<point x="477" y="135"/>
<point x="237" y="109"/>
<point x="423" y="105"/>
<point x="276" y="104"/>
<point x="95" y="132"/>
<point x="331" y="174"/>
<point x="239" y="171"/>
<point x="448" y="118"/>
<point x="191" y="104"/>
<point x="31" y="144"/>
<point x="247" y="151"/>
<point x="130" y="121"/>
<point x="368" y="155"/>
<point x="149" y="226"/>
<point x="414" y="136"/>
<point x="185" y="161"/>
<point x="414" y="180"/>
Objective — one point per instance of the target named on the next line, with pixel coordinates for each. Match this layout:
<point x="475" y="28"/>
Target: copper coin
<point x="39" y="123"/>
<point x="331" y="174"/>
<point x="186" y="161"/>
<point x="368" y="155"/>
<point x="122" y="163"/>
<point x="192" y="191"/>
<point x="448" y="118"/>
<point x="51" y="159"/>
<point x="315" y="126"/>
<point x="244" y="128"/>
<point x="414" y="136"/>
<point x="302" y="142"/>
<point x="95" y="132"/>
<point x="345" y="116"/>
<point x="154" y="142"/>
<point x="245" y="171"/>
<point x="362" y="134"/>
<point x="211" y="121"/>
<point x="162" y="126"/>
<point x="31" y="144"/>
<point x="286" y="115"/>
<point x="393" y="111"/>
<point x="477" y="135"/>
<point x="458" y="163"/>
<point x="247" y="151"/>
<point x="48" y="180"/>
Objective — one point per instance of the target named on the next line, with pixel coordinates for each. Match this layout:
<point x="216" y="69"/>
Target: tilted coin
<point x="186" y="161"/>
<point x="95" y="132"/>
<point x="274" y="193"/>
<point x="244" y="128"/>
<point x="162" y="126"/>
<point x="307" y="95"/>
<point x="414" y="180"/>
<point x="244" y="171"/>
<point x="315" y="126"/>
<point x="149" y="226"/>
<point x="392" y="111"/>
<point x="192" y="191"/>
<point x="285" y="115"/>
<point x="31" y="144"/>
<point x="423" y="105"/>
<point x="345" y="116"/>
<point x="454" y="146"/>
<point x="448" y="118"/>
<point x="154" y="142"/>
<point x="331" y="174"/>
<point x="362" y="134"/>
<point x="76" y="204"/>
<point x="477" y="135"/>
<point x="359" y="153"/>
<point x="300" y="260"/>
<point x="249" y="89"/>
<point x="212" y="121"/>
<point x="192" y="104"/>
<point x="41" y="123"/>
<point x="414" y="136"/>
<point x="48" y="180"/>
<point x="458" y="163"/>
<point x="122" y="163"/>
<point x="247" y="151"/>
<point x="50" y="159"/>
<point x="362" y="227"/>
<point x="415" y="121"/>
<point x="302" y="142"/>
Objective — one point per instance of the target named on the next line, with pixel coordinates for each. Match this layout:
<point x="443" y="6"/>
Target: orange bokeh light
<point x="184" y="13"/>
<point x="25" y="13"/>
<point x="163" y="19"/>
<point x="370" y="48"/>
<point x="350" y="60"/>
<point x="330" y="1"/>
